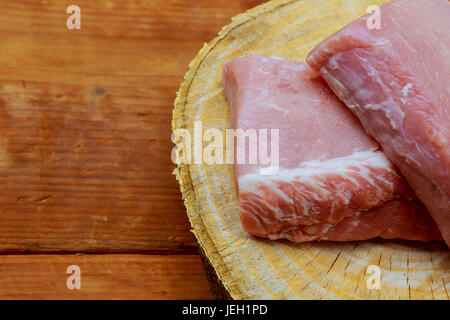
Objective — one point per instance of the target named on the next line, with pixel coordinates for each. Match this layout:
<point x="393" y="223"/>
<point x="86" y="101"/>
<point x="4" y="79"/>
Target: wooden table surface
<point x="85" y="167"/>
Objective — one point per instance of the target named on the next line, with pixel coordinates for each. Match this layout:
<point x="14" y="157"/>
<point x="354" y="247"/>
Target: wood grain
<point x="103" y="277"/>
<point x="252" y="268"/>
<point x="85" y="122"/>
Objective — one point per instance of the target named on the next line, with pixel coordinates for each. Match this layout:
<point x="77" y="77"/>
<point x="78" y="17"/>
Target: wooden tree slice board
<point x="251" y="268"/>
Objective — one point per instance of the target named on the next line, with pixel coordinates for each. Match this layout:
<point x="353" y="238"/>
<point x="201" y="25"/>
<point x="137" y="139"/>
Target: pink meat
<point x="396" y="80"/>
<point x="333" y="182"/>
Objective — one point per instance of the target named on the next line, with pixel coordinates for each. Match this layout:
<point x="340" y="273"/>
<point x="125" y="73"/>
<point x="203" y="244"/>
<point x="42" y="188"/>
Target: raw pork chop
<point x="333" y="182"/>
<point x="397" y="82"/>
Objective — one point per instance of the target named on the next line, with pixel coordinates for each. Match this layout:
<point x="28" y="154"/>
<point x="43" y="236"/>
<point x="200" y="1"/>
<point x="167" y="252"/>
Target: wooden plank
<point x="103" y="277"/>
<point x="85" y="122"/>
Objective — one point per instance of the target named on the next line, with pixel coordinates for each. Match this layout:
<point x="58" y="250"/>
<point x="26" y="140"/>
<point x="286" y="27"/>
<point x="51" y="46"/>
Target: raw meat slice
<point x="392" y="220"/>
<point x="333" y="183"/>
<point x="397" y="82"/>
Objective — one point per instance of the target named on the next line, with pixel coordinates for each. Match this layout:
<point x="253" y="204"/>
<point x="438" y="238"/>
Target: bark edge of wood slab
<point x="242" y="266"/>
